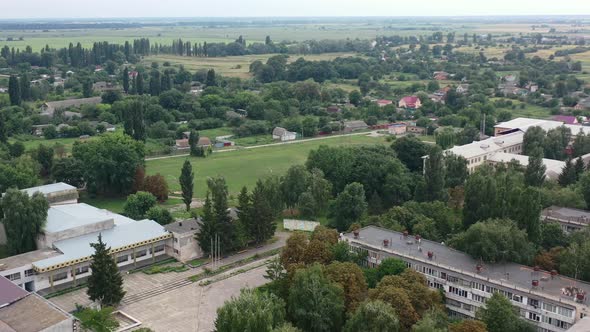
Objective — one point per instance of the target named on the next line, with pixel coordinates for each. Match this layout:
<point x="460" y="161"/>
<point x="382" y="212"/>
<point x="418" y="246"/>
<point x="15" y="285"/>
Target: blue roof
<point x="119" y="236"/>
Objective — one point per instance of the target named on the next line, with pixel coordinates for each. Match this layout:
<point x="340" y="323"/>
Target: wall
<point x="49" y="239"/>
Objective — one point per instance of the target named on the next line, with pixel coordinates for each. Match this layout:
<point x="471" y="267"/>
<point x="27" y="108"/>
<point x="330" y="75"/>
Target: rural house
<point x="410" y="102"/>
<point x="49" y="108"/>
<point x="350" y="126"/>
<point x="283" y="134"/>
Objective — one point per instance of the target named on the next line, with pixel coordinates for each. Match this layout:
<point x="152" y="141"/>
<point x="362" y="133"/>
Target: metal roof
<point x="487" y="146"/>
<point x="553" y="167"/>
<point x="63" y="217"/>
<point x="510" y="275"/>
<point x="10" y="292"/>
<point x="49" y="188"/>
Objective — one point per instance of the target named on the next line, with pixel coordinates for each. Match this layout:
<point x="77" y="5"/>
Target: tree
<point x="252" y="311"/>
<point x="97" y="320"/>
<point x="226" y="231"/>
<point x="24" y="218"/>
<point x="455" y="170"/>
<point x="157" y="186"/>
<point x="126" y="80"/>
<point x="568" y="174"/>
<point x="193" y="141"/>
<point x="69" y="170"/>
<point x="87" y="91"/>
<point x="294" y="250"/>
<point x="352" y="281"/>
<point x="209" y="228"/>
<point x="373" y="316"/>
<point x="21" y="172"/>
<point x="390" y="267"/>
<point x="262" y="223"/>
<point x="500" y="316"/>
<point x="25" y="87"/>
<point x="585" y="187"/>
<point x="293" y="184"/>
<point x="534" y="174"/>
<point x="133" y="119"/>
<point x="14" y="91"/>
<point x="186" y="181"/>
<point x="320" y="190"/>
<point x="138" y="204"/>
<point x="398" y="299"/>
<point x="468" y="325"/>
<point x="110" y="162"/>
<point x="495" y="241"/>
<point x="434" y="176"/>
<point x="480" y="197"/>
<point x="349" y="206"/>
<point x="139" y="86"/>
<point x="529" y="214"/>
<point x="410" y="151"/>
<point x="155" y="83"/>
<point x="211" y="79"/>
<point x="534" y="138"/>
<point x="159" y="215"/>
<point x="315" y="304"/>
<point x="105" y="284"/>
<point x="44" y="156"/>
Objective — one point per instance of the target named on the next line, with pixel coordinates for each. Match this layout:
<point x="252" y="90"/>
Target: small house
<point x="416" y="130"/>
<point x="283" y="134"/>
<point x="333" y="109"/>
<point x="384" y="102"/>
<point x="185" y="246"/>
<point x="397" y="128"/>
<point x="462" y="88"/>
<point x="410" y="102"/>
<point x="350" y="126"/>
<point x="204" y="141"/>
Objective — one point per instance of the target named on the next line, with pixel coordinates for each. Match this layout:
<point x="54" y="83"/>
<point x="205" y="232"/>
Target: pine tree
<point x="155" y="83"/>
<point x="262" y="225"/>
<point x="579" y="167"/>
<point x="534" y="174"/>
<point x="211" y="79"/>
<point x="223" y="222"/>
<point x="434" y="176"/>
<point x="568" y="174"/>
<point x="139" y="84"/>
<point x="193" y="140"/>
<point x="209" y="228"/>
<point x="186" y="181"/>
<point x="126" y="76"/>
<point x="105" y="284"/>
<point x="14" y="90"/>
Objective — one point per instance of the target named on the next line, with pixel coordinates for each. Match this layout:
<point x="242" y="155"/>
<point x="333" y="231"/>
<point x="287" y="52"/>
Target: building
<point x="522" y="124"/>
<point x="462" y="88"/>
<point x="569" y="219"/>
<point x="49" y="108"/>
<point x="64" y="254"/>
<point x="184" y="246"/>
<point x="21" y="311"/>
<point x="416" y="130"/>
<point x="334" y="109"/>
<point x="440" y="75"/>
<point x="283" y="134"/>
<point x="397" y="128"/>
<point x="566" y="119"/>
<point x="384" y="102"/>
<point x="411" y="102"/>
<point x="350" y="126"/>
<point x="204" y="141"/>
<point x="552" y="302"/>
<point x="553" y="168"/>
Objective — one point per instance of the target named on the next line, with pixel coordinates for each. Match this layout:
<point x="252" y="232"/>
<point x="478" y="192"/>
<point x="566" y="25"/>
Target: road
<point x="272" y="144"/>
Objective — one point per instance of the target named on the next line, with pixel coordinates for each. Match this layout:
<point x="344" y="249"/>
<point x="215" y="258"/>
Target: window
<point x="533" y="302"/>
<point x="159" y="248"/>
<point x="13" y="277"/>
<point x="458" y="291"/>
<point x="29" y="273"/>
<point x="478" y="286"/>
<point x="443" y="275"/>
<point x="141" y="253"/>
<point x="565" y="312"/>
<point x="60" y="276"/>
<point x="176" y="251"/>
<point x="123" y="258"/>
<point x="478" y="298"/>
<point x="82" y="270"/>
<point x="534" y="316"/>
<point x="549" y="307"/>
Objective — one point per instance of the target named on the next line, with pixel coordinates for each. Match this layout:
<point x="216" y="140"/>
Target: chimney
<point x="535" y="283"/>
<point x="180" y="223"/>
<point x="430" y="255"/>
<point x="386" y="243"/>
<point x="478" y="268"/>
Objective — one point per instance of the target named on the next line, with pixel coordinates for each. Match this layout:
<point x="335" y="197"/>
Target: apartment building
<point x="552" y="302"/>
<point x="569" y="219"/>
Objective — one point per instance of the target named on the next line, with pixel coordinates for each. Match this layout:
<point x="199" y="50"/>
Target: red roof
<point x="384" y="102"/>
<point x="410" y="101"/>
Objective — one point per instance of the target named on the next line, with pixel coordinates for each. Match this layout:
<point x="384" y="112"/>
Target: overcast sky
<point x="265" y="8"/>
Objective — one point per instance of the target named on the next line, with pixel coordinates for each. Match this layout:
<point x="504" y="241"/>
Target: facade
<point x="552" y="302"/>
<point x="283" y="134"/>
<point x="411" y="102"/>
<point x="21" y="311"/>
<point x="569" y="219"/>
<point x="397" y="128"/>
<point x="350" y="126"/>
<point x="184" y="247"/>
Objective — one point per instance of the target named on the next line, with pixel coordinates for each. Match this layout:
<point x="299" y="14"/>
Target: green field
<point x="233" y="66"/>
<point x="530" y="111"/>
<point x="245" y="167"/>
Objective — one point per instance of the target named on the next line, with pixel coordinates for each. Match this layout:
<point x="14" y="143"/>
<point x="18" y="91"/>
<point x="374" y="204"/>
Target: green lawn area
<point x="32" y="143"/>
<point x="244" y="167"/>
<point x="530" y="111"/>
<point x="116" y="204"/>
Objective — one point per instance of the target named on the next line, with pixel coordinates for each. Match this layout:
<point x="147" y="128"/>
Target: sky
<point x="284" y="8"/>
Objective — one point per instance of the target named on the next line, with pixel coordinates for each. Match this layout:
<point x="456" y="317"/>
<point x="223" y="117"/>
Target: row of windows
<point x="17" y="276"/>
<point x="558" y="310"/>
<point x="556" y="322"/>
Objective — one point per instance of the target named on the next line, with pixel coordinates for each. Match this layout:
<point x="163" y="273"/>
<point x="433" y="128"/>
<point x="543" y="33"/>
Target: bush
<point x="160" y="215"/>
<point x="137" y="205"/>
<point x="157" y="186"/>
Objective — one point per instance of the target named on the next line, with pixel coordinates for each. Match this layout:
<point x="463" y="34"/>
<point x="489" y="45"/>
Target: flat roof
<point x="17" y="261"/>
<point x="31" y="314"/>
<point x="568" y="214"/>
<point x="510" y="275"/>
<point x="10" y="292"/>
<point x="119" y="236"/>
<point x="553" y="167"/>
<point x="49" y="188"/>
<point x="63" y="217"/>
<point x="488" y="145"/>
<point x="184" y="226"/>
<point x="525" y="123"/>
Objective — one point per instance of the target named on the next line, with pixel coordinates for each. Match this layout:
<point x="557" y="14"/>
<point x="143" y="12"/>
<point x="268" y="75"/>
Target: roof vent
<point x="180" y="223"/>
<point x="478" y="268"/>
<point x="386" y="243"/>
<point x="430" y="255"/>
<point x="484" y="146"/>
<point x="535" y="283"/>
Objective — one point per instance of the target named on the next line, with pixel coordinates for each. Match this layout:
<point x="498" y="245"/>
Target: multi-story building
<point x="569" y="219"/>
<point x="552" y="302"/>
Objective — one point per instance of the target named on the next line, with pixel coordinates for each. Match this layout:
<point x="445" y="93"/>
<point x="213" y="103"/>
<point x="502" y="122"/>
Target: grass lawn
<point x="530" y="111"/>
<point x="32" y="143"/>
<point x="244" y="167"/>
<point x="116" y="204"/>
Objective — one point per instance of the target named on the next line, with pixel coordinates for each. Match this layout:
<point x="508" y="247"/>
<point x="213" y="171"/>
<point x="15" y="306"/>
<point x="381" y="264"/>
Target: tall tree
<point x="534" y="174"/>
<point x="349" y="206"/>
<point x="352" y="280"/>
<point x="105" y="284"/>
<point x="585" y="188"/>
<point x="209" y="229"/>
<point x="315" y="304"/>
<point x="24" y="218"/>
<point x="139" y="85"/>
<point x="455" y="170"/>
<point x="44" y="156"/>
<point x="373" y="316"/>
<point x="186" y="181"/>
<point x="320" y="190"/>
<point x="25" y="87"/>
<point x="434" y="175"/>
<point x="410" y="151"/>
<point x="155" y="83"/>
<point x="262" y="221"/>
<point x="529" y="214"/>
<point x="14" y="90"/>
<point x="193" y="140"/>
<point x="293" y="184"/>
<point x="500" y="316"/>
<point x="534" y="138"/>
<point x="126" y="80"/>
<point x="251" y="311"/>
<point x="480" y="197"/>
<point x="568" y="174"/>
<point x="211" y="78"/>
<point x="223" y="222"/>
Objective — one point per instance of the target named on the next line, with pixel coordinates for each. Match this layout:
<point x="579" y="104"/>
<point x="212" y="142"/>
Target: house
<point x="532" y="87"/>
<point x="411" y="102"/>
<point x="462" y="88"/>
<point x="384" y="102"/>
<point x="350" y="126"/>
<point x="509" y="79"/>
<point x="28" y="312"/>
<point x="416" y="130"/>
<point x="440" y="75"/>
<point x="567" y="119"/>
<point x="185" y="246"/>
<point x="583" y="104"/>
<point x="181" y="144"/>
<point x="334" y="109"/>
<point x="37" y="130"/>
<point x="283" y="134"/>
<point x="570" y="220"/>
<point x="49" y="108"/>
<point x="204" y="141"/>
<point x="104" y="86"/>
<point x="397" y="128"/>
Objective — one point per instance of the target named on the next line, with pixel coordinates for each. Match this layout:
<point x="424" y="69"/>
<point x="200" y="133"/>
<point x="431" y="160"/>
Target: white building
<point x="569" y="219"/>
<point x="184" y="246"/>
<point x="283" y="134"/>
<point x="552" y="302"/>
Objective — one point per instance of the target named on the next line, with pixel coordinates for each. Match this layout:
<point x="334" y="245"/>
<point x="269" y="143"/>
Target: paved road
<point x="271" y="144"/>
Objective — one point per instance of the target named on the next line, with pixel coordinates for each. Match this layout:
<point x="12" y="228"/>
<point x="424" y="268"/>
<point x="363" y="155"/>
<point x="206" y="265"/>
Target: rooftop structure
<point x="56" y="193"/>
<point x="551" y="301"/>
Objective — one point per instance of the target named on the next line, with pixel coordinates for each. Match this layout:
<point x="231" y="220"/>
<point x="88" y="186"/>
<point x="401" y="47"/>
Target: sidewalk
<point x="136" y="284"/>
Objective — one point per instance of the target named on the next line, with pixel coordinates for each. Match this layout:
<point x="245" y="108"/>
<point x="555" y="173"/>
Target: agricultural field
<point x="232" y="66"/>
<point x="244" y="167"/>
